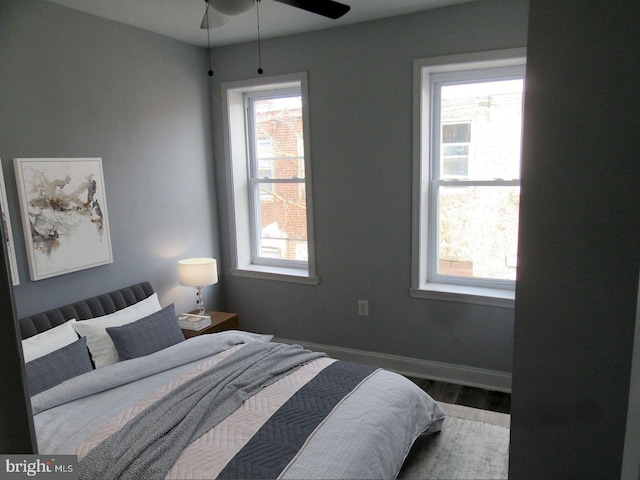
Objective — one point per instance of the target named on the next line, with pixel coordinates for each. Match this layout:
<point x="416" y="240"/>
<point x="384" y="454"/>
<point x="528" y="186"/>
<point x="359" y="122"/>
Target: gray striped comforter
<point x="365" y="434"/>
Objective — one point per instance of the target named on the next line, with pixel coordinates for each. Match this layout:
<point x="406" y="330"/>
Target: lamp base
<point x="199" y="301"/>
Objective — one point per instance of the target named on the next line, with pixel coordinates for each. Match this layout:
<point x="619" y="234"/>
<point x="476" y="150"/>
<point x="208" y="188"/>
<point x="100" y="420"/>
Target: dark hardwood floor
<point x="468" y="396"/>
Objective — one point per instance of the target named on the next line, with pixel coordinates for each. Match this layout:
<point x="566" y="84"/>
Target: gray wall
<point x="361" y="100"/>
<point x="17" y="434"/>
<point x="579" y="252"/>
<point x="75" y="85"/>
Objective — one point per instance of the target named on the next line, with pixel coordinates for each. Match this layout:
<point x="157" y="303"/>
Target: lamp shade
<point x="197" y="272"/>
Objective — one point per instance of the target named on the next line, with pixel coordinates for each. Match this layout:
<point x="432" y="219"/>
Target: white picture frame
<point x="64" y="214"/>
<point x="6" y="220"/>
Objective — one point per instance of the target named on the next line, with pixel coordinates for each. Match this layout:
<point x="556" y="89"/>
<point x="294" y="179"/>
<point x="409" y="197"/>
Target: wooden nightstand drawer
<point x="220" y="321"/>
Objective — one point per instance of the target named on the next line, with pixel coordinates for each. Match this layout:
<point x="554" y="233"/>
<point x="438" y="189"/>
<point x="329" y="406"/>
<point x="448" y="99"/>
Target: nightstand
<point x="219" y="321"/>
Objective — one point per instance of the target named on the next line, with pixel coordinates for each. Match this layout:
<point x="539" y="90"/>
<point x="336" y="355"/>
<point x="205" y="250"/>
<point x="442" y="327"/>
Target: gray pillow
<point x="147" y="335"/>
<point x="56" y="367"/>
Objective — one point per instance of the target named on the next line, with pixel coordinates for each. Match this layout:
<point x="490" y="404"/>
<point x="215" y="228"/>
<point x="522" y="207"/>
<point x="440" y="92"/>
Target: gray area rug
<point x="473" y="444"/>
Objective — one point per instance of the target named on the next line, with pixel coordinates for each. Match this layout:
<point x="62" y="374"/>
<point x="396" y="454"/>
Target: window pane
<point x="283" y="221"/>
<point x="478" y="231"/>
<point x="456" y="133"/>
<point x="455" y="167"/>
<point x="487" y="117"/>
<point x="455" y="150"/>
<point x="278" y="123"/>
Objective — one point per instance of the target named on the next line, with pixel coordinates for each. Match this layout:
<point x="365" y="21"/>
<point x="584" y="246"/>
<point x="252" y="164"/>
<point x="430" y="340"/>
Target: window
<point x="467" y="167"/>
<point x="267" y="153"/>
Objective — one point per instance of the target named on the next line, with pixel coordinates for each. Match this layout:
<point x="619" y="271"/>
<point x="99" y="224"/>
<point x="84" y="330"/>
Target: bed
<point x="113" y="381"/>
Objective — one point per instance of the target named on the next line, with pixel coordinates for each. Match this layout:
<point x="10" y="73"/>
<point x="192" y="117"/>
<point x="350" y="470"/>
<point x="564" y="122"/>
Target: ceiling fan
<point x="222" y="9"/>
<point x="217" y="15"/>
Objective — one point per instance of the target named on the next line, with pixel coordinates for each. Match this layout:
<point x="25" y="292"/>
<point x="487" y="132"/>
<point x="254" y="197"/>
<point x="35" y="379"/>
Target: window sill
<point x="493" y="297"/>
<point x="291" y="275"/>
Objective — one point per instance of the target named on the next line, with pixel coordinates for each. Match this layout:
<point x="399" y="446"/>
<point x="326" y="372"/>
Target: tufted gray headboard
<point x="92" y="307"/>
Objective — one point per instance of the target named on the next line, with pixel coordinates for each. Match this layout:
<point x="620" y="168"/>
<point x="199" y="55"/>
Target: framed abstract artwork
<point x="64" y="214"/>
<point x="8" y="233"/>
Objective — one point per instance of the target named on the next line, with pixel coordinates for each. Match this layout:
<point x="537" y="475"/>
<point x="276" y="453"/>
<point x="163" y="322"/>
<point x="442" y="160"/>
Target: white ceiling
<point x="180" y="19"/>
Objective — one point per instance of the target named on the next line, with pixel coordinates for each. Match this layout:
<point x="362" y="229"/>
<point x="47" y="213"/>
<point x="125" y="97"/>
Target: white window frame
<point x="241" y="211"/>
<point x="424" y="229"/>
<point x="256" y="180"/>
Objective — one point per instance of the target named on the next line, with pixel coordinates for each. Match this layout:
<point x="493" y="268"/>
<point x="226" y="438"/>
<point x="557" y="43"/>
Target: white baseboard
<point x="443" y="372"/>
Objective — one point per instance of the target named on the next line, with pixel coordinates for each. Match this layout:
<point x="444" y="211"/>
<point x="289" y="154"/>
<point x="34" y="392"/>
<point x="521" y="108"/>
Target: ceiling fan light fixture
<point x="213" y="19"/>
<point x="231" y="7"/>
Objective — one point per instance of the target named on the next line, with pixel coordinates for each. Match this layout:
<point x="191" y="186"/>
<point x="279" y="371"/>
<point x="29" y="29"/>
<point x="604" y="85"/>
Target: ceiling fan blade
<point x="214" y="20"/>
<point x="326" y="8"/>
<point x="232" y="7"/>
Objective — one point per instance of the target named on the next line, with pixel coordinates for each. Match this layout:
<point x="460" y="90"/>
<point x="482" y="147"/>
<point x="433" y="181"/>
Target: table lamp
<point x="198" y="272"/>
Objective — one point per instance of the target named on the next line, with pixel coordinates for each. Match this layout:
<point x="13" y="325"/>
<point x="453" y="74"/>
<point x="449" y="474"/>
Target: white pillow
<point x="49" y="341"/>
<point x="103" y="351"/>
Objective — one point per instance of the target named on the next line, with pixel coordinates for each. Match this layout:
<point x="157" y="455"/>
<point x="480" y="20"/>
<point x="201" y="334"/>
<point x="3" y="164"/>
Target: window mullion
<point x="476" y="183"/>
<point x="436" y="121"/>
<point x="277" y="180"/>
<point x="254" y="205"/>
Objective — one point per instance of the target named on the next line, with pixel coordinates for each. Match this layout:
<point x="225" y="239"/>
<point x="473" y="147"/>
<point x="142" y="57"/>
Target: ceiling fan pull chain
<point x="206" y="12"/>
<point x="259" y="50"/>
